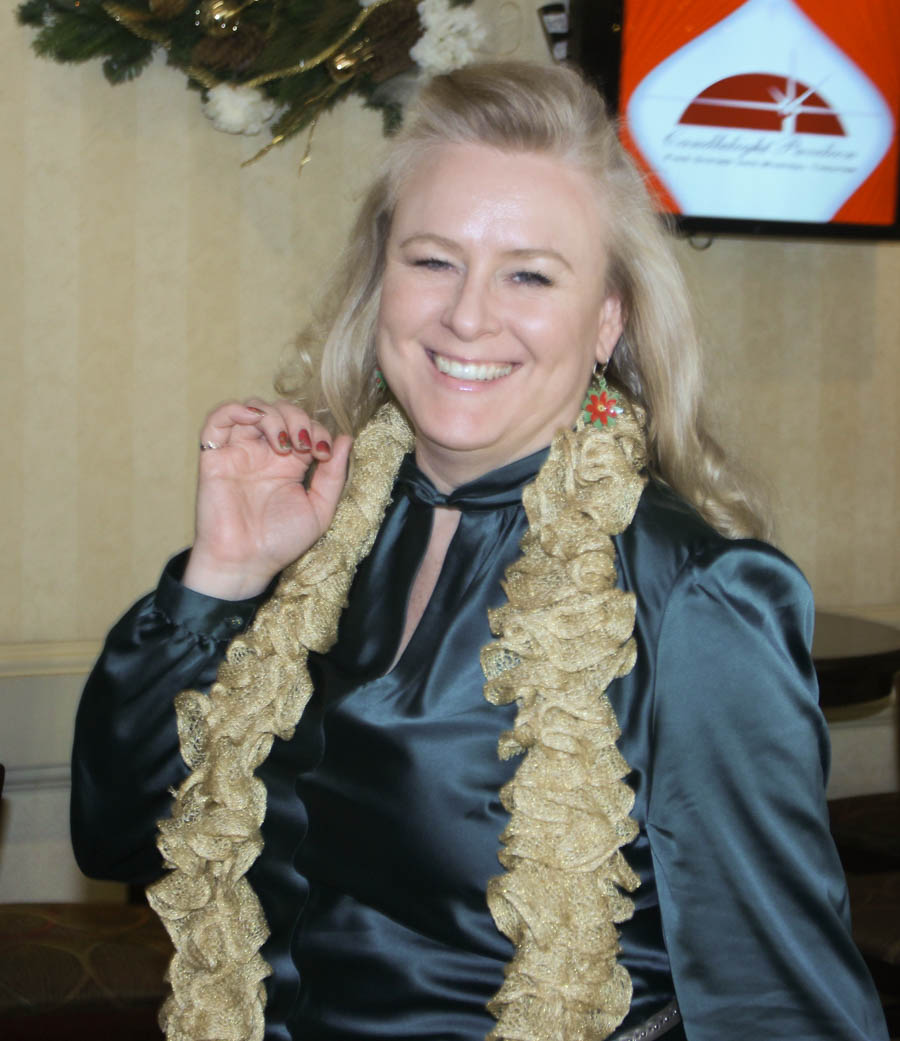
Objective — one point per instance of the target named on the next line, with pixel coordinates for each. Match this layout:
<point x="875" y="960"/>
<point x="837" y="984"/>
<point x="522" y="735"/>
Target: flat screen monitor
<point x="764" y="116"/>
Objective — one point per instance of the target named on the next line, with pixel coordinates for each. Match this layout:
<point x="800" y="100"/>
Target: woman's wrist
<point x="224" y="581"/>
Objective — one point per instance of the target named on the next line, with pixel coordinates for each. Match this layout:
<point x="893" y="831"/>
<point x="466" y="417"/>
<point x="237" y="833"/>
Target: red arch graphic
<point x="762" y="101"/>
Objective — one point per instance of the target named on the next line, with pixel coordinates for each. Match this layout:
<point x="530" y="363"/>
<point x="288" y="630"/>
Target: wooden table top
<point x="855" y="658"/>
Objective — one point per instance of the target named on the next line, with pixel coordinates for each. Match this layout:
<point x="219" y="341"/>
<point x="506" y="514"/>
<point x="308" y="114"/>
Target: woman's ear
<point x="610" y="327"/>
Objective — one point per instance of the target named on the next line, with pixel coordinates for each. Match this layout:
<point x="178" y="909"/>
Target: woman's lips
<point x="469" y="370"/>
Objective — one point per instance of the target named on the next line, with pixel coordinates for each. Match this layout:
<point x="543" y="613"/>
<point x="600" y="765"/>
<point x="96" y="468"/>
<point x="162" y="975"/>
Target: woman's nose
<point x="471" y="311"/>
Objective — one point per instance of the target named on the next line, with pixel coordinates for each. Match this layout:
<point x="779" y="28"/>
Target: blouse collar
<point x="501" y="487"/>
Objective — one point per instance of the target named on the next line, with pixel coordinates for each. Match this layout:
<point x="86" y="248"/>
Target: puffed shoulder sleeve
<point x="125" y="754"/>
<point x="753" y="899"/>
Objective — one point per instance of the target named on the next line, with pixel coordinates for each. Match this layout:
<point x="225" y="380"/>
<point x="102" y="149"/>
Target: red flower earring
<point x="600" y="408"/>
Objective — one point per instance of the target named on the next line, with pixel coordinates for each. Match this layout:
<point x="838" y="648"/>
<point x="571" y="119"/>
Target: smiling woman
<point x="532" y="623"/>
<point x="494" y="309"/>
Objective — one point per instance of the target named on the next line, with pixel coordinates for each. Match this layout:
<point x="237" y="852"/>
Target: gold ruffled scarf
<point x="563" y="636"/>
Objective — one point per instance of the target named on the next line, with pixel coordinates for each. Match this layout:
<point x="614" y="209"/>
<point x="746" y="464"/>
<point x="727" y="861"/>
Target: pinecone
<point x="167" y="8"/>
<point x="234" y="52"/>
<point x="392" y="30"/>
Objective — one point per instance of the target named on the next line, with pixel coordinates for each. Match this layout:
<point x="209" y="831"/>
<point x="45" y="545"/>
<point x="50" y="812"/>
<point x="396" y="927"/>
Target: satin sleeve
<point x="125" y="754"/>
<point x="753" y="899"/>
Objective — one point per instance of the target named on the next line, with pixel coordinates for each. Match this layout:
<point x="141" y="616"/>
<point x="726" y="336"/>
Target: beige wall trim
<point x="52" y="658"/>
<point x="37" y="778"/>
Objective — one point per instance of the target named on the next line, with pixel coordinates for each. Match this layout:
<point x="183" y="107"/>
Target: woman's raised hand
<point x="254" y="514"/>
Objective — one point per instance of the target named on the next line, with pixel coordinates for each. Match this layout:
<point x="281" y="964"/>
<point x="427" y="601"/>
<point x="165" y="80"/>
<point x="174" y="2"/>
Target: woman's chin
<point x="471" y="450"/>
<point x="459" y="427"/>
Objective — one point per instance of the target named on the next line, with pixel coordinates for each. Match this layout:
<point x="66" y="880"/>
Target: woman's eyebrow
<point x="437" y="240"/>
<point x="536" y="254"/>
<point x="450" y="245"/>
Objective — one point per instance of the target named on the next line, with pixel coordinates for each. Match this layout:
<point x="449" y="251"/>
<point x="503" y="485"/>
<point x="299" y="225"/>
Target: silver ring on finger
<point x="209" y="446"/>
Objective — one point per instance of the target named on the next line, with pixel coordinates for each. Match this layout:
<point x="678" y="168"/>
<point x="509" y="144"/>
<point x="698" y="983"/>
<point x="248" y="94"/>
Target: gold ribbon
<point x="322" y="56"/>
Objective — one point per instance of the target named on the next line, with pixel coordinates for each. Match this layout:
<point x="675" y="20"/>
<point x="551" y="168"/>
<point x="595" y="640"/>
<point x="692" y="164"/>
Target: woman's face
<point x="493" y="310"/>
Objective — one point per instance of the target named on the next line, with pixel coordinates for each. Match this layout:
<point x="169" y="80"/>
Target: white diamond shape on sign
<point x="761" y="117"/>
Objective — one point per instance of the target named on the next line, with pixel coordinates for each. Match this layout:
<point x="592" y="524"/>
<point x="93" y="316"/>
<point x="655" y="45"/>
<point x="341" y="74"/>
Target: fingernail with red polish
<point x="253" y="408"/>
<point x="323" y="447"/>
<point x="303" y="440"/>
<point x="284" y="442"/>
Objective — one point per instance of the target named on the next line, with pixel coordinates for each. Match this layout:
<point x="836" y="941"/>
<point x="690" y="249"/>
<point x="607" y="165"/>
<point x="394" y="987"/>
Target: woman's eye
<point x="531" y="278"/>
<point x="432" y="263"/>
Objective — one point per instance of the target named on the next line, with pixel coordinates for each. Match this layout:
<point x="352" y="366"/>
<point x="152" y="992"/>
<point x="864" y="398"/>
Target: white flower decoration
<point x="451" y="38"/>
<point x="238" y="110"/>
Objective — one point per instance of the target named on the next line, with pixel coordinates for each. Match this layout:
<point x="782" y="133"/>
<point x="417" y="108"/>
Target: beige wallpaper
<point x="146" y="276"/>
<point x="804" y="367"/>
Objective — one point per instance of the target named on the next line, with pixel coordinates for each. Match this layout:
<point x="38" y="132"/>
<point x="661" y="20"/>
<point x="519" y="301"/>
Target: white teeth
<point x="469" y="370"/>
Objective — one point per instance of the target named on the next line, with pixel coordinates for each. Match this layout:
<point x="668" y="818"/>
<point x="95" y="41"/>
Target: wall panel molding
<point x="48" y="658"/>
<point x="41" y="778"/>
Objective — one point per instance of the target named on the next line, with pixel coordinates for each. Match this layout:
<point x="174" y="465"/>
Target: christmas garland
<point x="258" y="62"/>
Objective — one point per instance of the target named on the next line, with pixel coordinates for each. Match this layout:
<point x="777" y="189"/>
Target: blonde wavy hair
<point x="550" y="109"/>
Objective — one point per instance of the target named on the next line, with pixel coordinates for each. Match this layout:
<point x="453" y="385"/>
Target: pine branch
<point x="41" y="12"/>
<point x="31" y="12"/>
<point x="81" y="38"/>
<point x="126" y="65"/>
